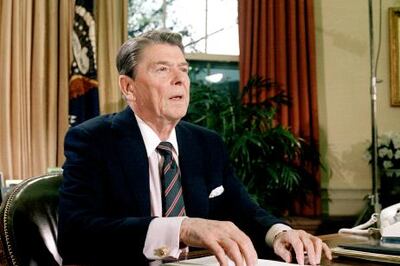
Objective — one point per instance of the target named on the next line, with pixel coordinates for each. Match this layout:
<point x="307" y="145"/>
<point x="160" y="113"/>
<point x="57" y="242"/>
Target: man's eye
<point x="162" y="69"/>
<point x="185" y="69"/>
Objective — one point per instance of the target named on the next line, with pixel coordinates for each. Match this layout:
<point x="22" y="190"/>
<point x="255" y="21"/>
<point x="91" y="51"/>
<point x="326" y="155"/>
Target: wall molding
<point x="344" y="201"/>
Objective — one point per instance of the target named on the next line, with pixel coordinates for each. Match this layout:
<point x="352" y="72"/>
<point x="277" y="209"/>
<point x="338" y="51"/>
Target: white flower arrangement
<point x="388" y="151"/>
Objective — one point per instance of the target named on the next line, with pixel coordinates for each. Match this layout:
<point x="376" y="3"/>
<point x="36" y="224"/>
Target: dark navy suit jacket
<point x="104" y="209"/>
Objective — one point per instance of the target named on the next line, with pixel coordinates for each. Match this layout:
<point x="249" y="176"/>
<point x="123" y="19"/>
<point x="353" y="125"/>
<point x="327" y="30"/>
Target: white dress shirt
<point x="162" y="239"/>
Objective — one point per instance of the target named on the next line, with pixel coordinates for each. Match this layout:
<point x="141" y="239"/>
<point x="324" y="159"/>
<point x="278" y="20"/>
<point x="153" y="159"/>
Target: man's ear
<point x="126" y="87"/>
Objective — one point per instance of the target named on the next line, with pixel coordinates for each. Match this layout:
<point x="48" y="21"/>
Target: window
<point x="220" y="71"/>
<point x="209" y="29"/>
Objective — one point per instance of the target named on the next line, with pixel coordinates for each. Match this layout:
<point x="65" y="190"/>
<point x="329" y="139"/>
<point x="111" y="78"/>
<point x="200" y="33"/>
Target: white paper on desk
<point x="212" y="261"/>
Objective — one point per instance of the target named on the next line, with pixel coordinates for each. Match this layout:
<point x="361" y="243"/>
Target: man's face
<point x="161" y="86"/>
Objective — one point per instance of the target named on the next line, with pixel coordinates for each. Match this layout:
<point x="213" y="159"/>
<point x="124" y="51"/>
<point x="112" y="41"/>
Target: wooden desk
<point x="334" y="239"/>
<point x="331" y="240"/>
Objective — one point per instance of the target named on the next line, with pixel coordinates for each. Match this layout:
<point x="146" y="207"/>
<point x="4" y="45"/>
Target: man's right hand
<point x="221" y="238"/>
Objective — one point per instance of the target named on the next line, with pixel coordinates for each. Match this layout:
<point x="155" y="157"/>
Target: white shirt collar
<point x="151" y="140"/>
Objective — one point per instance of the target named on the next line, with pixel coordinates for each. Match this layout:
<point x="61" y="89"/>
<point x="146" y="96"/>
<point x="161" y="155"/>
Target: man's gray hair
<point x="130" y="52"/>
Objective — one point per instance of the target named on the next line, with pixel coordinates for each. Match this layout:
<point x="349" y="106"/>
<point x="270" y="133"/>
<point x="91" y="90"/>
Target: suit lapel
<point x="132" y="154"/>
<point x="190" y="163"/>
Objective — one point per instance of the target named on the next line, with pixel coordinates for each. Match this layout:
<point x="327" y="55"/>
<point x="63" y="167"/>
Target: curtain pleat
<point x="111" y="17"/>
<point x="60" y="107"/>
<point x="277" y="41"/>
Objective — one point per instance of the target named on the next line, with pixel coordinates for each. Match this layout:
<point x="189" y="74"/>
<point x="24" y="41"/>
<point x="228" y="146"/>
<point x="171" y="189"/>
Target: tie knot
<point x="165" y="148"/>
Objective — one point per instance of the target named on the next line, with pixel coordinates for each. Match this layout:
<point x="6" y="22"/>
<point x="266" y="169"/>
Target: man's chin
<point x="176" y="116"/>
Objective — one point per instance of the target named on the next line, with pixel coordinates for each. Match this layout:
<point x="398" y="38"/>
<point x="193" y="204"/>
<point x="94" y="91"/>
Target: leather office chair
<point x="28" y="226"/>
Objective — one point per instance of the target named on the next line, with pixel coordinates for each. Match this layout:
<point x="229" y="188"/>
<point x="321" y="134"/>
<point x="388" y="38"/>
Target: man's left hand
<point x="301" y="243"/>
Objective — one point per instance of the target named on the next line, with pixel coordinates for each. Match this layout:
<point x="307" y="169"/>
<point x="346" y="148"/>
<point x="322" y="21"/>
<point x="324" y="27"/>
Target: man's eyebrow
<point x="183" y="64"/>
<point x="169" y="63"/>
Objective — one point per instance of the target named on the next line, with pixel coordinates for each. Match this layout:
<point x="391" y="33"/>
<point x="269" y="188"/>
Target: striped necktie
<point x="173" y="204"/>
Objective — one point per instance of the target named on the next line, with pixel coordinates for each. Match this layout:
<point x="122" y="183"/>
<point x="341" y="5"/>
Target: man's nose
<point x="178" y="77"/>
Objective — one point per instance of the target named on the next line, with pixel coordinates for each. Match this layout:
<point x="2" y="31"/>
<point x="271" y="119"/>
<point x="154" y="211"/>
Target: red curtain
<point x="277" y="41"/>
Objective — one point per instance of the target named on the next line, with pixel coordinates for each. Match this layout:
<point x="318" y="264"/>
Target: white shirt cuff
<point x="162" y="239"/>
<point x="273" y="231"/>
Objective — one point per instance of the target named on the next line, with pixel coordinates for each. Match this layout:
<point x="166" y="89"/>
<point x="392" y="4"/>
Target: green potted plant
<point x="388" y="159"/>
<point x="273" y="164"/>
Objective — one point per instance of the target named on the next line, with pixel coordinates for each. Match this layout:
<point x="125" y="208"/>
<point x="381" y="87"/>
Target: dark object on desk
<point x="374" y="247"/>
<point x="28" y="226"/>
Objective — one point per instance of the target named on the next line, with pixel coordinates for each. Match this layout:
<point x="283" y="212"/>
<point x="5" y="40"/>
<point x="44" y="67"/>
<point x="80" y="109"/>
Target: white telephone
<point x="389" y="219"/>
<point x="390" y="224"/>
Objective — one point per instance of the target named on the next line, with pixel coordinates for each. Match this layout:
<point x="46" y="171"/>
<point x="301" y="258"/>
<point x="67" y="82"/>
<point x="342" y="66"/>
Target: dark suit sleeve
<point x="89" y="232"/>
<point x="237" y="206"/>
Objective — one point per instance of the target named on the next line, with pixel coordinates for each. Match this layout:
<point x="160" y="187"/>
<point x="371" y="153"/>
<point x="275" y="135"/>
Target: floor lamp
<point x="373" y="205"/>
<point x="374" y="132"/>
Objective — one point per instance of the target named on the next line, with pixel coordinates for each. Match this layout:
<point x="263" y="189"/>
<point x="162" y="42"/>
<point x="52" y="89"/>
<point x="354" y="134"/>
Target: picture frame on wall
<point x="394" y="46"/>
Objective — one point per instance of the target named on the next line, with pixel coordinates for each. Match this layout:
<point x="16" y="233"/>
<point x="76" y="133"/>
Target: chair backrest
<point x="28" y="226"/>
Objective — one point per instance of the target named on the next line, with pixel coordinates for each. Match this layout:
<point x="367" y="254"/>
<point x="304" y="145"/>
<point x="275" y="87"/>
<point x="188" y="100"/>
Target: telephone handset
<point x="389" y="219"/>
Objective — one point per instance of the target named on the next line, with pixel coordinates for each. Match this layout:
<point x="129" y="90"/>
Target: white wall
<point x="343" y="70"/>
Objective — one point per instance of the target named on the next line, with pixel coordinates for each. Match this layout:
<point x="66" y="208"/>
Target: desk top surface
<point x="333" y="240"/>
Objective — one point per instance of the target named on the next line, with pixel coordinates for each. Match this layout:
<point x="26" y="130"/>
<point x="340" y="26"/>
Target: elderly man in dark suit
<point x="142" y="185"/>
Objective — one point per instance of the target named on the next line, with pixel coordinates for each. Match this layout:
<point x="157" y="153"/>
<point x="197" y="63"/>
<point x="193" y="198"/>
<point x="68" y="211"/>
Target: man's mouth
<point x="176" y="97"/>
